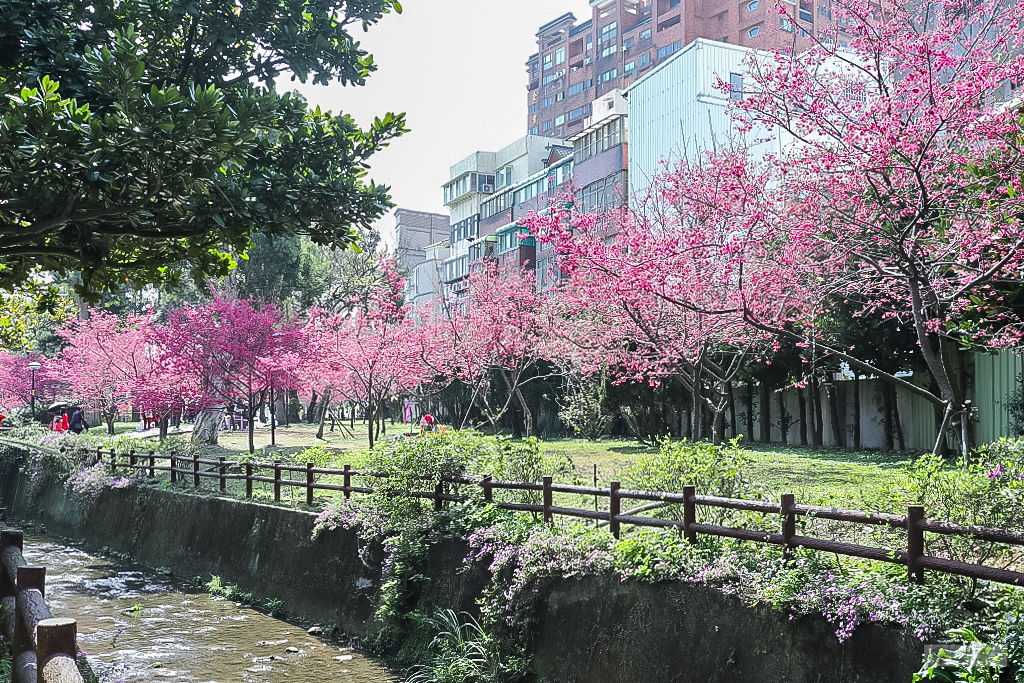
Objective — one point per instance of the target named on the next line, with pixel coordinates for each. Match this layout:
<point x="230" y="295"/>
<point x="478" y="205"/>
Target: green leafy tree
<point x="135" y="135"/>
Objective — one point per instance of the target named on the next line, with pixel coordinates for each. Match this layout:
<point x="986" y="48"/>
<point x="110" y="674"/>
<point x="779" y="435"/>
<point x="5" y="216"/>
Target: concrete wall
<point x="594" y="629"/>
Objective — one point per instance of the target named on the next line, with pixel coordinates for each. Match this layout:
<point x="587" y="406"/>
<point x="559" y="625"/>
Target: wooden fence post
<point x="55" y="637"/>
<point x="488" y="489"/>
<point x="438" y="492"/>
<point x="347" y="482"/>
<point x="222" y="471"/>
<point x="248" y="480"/>
<point x="99" y="454"/>
<point x="195" y="470"/>
<point x="29" y="578"/>
<point x="614" y="508"/>
<point x="113" y="461"/>
<point x="277" y="481"/>
<point x="689" y="514"/>
<point x="915" y="544"/>
<point x="131" y="462"/>
<point x="548" y="517"/>
<point x="152" y="463"/>
<point x="788" y="525"/>
<point x="174" y="469"/>
<point x="309" y="484"/>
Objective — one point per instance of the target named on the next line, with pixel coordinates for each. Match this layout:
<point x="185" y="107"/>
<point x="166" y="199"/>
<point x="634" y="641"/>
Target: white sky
<point x="457" y="69"/>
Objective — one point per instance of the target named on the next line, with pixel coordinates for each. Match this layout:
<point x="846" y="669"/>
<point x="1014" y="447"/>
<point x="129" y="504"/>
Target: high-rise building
<point x="416" y="230"/>
<point x="576" y="63"/>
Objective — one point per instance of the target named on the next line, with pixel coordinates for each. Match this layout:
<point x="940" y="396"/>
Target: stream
<point x="136" y="625"/>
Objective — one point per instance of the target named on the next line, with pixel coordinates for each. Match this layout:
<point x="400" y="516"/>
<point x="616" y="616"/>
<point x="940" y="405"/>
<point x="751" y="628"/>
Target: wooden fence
<point x="914" y="522"/>
<point x="43" y="648"/>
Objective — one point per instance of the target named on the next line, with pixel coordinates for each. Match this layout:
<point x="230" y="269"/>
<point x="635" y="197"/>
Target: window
<point x="610" y="50"/>
<point x="735" y="87"/>
<point x="608" y="75"/>
<point x="609" y="32"/>
<point x="629" y="67"/>
<point x="805" y="14"/>
<point x="754" y="31"/>
<point x="643" y="60"/>
<point x="669" y="23"/>
<point x="674" y="3"/>
<point x="786" y="24"/>
<point x="576" y="113"/>
<point x="534" y="130"/>
<point x="560" y="120"/>
<point x="577" y="88"/>
<point x="645" y="34"/>
<point x="604" y="138"/>
<point x="751" y="6"/>
<point x="465" y="229"/>
<point x="546" y="102"/>
<point x="721" y="17"/>
<point x="628" y="43"/>
<point x="560" y="96"/>
<point x="560" y="56"/>
<point x="546" y="126"/>
<point x="670" y="49"/>
<point x="547" y="61"/>
<point x="551" y="77"/>
<point x="533" y="108"/>
<point x="590" y="42"/>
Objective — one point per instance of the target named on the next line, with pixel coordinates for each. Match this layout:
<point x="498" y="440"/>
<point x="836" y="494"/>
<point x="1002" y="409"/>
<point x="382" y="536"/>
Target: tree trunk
<point x="730" y="397"/>
<point x="163" y="427"/>
<point x="856" y="411"/>
<point x="801" y="402"/>
<point x="369" y="423"/>
<point x="311" y="409"/>
<point x="832" y="393"/>
<point x="897" y="423"/>
<point x="719" y="428"/>
<point x="818" y="419"/>
<point x="748" y="404"/>
<point x="698" y="413"/>
<point x="527" y="413"/>
<point x="325" y="403"/>
<point x="207" y="426"/>
<point x="765" y="406"/>
<point x="109" y="419"/>
<point x="252" y="425"/>
<point x="783" y="418"/>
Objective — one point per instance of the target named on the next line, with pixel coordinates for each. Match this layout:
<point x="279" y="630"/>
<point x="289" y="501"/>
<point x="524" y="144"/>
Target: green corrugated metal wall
<point x="995" y="376"/>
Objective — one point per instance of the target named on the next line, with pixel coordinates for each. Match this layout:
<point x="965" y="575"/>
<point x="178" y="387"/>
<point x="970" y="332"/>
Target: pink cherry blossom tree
<point x="903" y="182"/>
<point x="104" y="359"/>
<point x="498" y="332"/>
<point x="226" y="350"/>
<point x="370" y="355"/>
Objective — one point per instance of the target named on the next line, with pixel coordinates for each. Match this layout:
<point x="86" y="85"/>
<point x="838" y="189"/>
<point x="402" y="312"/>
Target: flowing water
<point x="135" y="625"/>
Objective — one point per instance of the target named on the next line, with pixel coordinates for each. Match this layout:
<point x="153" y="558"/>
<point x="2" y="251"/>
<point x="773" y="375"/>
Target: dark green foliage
<point x="135" y="135"/>
<point x="1014" y="404"/>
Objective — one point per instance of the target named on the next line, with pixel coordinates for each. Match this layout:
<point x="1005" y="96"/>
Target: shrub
<point x="711" y="470"/>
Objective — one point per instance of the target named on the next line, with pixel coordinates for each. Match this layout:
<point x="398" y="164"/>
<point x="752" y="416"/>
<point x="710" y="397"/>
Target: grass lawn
<point x="825" y="473"/>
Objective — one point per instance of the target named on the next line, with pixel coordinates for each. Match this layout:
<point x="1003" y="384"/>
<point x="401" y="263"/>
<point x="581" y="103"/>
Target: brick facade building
<point x="577" y="63"/>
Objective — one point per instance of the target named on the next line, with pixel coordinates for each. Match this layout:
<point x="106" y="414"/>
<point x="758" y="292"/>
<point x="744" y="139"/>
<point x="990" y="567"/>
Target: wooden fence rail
<point x="43" y="647"/>
<point x="914" y="522"/>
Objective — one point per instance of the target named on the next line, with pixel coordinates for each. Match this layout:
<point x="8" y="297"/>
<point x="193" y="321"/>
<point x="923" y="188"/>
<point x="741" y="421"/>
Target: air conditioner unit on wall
<point x="487" y="188"/>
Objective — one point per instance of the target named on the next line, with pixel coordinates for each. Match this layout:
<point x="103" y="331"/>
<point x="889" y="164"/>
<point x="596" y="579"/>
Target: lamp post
<point x="33" y="366"/>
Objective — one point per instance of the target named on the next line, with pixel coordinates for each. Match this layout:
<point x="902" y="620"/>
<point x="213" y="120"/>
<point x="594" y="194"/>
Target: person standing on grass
<point x="77" y="423"/>
<point x="427" y="424"/>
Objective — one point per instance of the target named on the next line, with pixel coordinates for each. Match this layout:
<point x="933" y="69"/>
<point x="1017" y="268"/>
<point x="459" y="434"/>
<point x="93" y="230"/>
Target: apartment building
<point x="676" y="110"/>
<point x="475" y="182"/>
<point x="576" y="63"/>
